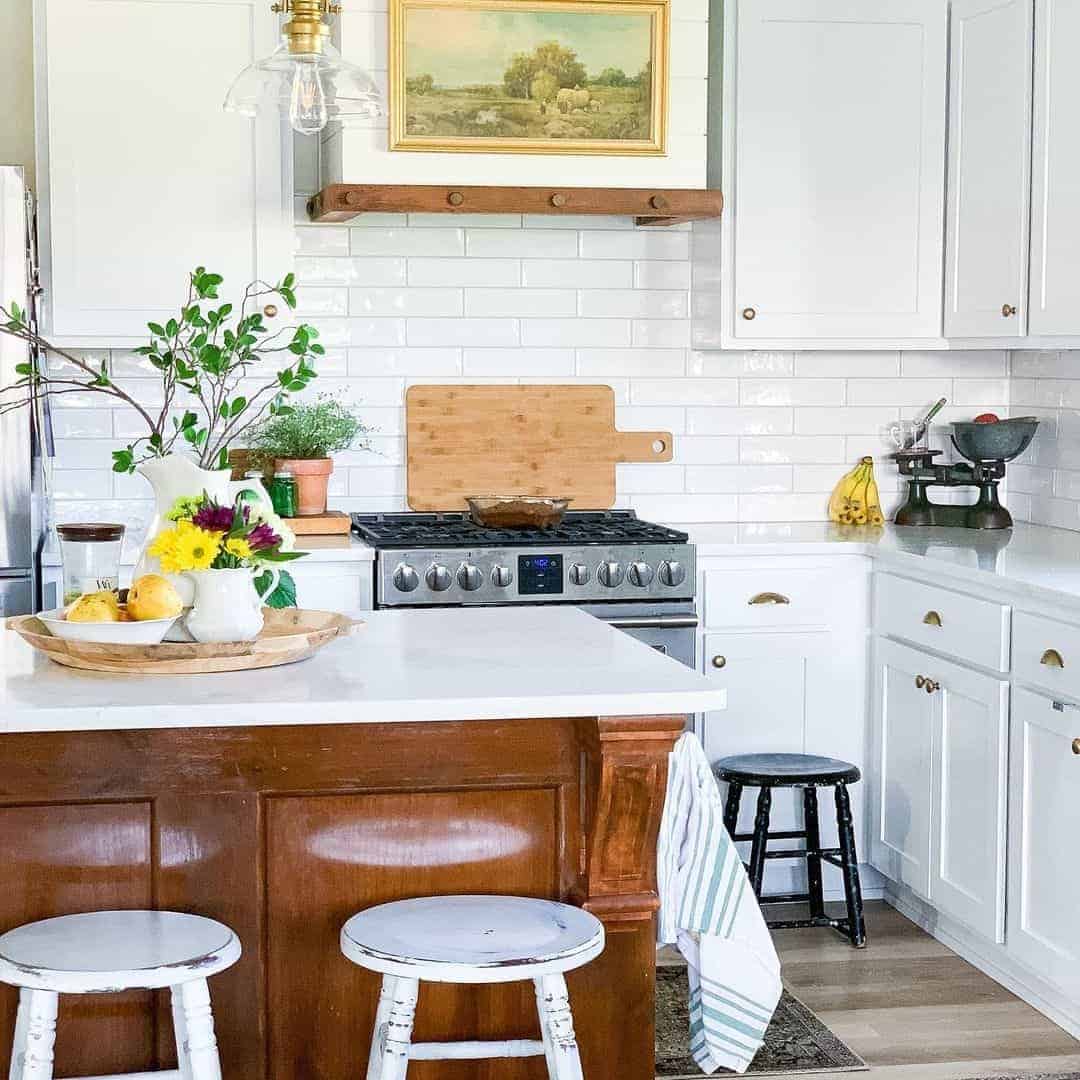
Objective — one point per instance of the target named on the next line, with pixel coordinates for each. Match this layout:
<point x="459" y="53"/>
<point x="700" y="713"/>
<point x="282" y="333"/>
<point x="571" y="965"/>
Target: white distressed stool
<point x="105" y="952"/>
<point x="472" y="939"/>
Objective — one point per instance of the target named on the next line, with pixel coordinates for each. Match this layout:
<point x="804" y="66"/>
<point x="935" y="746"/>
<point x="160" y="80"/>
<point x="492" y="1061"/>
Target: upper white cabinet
<point x="834" y="170"/>
<point x="989" y="168"/>
<point x="1055" y="209"/>
<point x="143" y="176"/>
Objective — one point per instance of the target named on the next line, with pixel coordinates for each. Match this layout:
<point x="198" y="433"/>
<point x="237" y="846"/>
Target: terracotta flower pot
<point x="312" y="476"/>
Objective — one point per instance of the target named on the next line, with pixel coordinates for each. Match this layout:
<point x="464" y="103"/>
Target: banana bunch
<point x="855" y="500"/>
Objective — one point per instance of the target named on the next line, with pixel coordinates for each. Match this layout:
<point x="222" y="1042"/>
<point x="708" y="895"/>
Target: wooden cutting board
<point x="554" y="440"/>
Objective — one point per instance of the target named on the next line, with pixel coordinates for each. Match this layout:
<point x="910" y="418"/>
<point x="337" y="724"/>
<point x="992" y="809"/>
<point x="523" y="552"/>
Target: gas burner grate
<point x="418" y="530"/>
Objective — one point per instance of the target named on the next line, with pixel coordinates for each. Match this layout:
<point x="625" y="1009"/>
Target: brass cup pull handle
<point x="1076" y="746"/>
<point x="768" y="598"/>
<point x="932" y="618"/>
<point x="1008" y="310"/>
<point x="719" y="661"/>
<point x="1052" y="658"/>
<point x="920" y="682"/>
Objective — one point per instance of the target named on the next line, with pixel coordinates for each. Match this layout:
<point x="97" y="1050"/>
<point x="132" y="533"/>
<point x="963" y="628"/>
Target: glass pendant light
<point x="305" y="76"/>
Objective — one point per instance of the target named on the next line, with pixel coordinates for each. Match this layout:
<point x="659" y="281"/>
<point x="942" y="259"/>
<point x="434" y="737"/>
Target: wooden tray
<point x="556" y="440"/>
<point x="289" y="635"/>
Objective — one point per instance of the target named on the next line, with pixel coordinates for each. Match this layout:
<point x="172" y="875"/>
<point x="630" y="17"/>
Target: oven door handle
<point x="653" y="622"/>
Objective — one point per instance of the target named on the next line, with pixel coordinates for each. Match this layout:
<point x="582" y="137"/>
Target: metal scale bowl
<point x="987" y="447"/>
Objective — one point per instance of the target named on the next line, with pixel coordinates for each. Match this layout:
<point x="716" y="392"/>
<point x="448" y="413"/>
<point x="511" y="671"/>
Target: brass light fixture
<point x="305" y="75"/>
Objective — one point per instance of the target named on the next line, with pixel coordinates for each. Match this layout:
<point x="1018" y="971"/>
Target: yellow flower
<point x="186" y="547"/>
<point x="239" y="548"/>
<point x="196" y="548"/>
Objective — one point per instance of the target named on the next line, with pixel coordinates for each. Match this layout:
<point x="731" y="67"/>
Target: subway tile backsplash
<point x="759" y="436"/>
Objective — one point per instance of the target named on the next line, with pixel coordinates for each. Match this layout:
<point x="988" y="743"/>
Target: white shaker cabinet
<point x="834" y="170"/>
<point x="143" y="175"/>
<point x="1055" y="209"/>
<point x="1044" y="872"/>
<point x="989" y="168"/>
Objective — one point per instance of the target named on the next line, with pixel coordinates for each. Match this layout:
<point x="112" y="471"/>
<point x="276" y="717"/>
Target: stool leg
<point x="180" y="1034"/>
<point x="199" y="1049"/>
<point x="852" y="891"/>
<point x="731" y="806"/>
<point x="394" y="1015"/>
<point x="813" y="856"/>
<point x="557" y="1028"/>
<point x="35" y="1035"/>
<point x="761" y="839"/>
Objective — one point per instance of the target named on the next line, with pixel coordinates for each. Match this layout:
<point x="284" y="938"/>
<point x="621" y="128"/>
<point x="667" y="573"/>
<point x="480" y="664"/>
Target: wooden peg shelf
<point x="647" y="206"/>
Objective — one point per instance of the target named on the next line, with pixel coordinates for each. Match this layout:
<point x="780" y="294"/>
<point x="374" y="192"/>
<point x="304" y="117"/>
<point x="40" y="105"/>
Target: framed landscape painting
<point x="529" y="76"/>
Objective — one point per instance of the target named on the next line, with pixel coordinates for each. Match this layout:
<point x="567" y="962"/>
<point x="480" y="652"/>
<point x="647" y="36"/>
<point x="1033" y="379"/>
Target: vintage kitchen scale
<point x="987" y="447"/>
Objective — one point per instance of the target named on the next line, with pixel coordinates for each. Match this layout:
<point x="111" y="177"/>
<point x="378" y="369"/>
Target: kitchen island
<point x="451" y="751"/>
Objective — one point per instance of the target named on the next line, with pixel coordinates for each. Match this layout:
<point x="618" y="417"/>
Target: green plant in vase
<point x="302" y="439"/>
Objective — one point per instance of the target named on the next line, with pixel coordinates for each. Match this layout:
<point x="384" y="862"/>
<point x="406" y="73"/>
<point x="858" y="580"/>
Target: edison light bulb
<point x="307" y="104"/>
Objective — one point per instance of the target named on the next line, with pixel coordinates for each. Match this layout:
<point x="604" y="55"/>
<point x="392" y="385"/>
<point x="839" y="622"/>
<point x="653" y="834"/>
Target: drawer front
<point x="770" y="598"/>
<point x="948" y="622"/>
<point x="1046" y="653"/>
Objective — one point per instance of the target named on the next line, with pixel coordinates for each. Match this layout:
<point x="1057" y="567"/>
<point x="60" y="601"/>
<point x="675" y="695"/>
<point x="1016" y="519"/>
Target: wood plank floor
<point x="913" y="1010"/>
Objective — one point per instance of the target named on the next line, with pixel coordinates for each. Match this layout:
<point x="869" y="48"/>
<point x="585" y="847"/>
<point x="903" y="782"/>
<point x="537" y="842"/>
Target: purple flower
<point x="262" y="536"/>
<point x="213" y="517"/>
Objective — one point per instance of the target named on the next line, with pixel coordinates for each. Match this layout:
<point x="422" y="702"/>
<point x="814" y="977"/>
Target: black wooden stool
<point x="809" y="772"/>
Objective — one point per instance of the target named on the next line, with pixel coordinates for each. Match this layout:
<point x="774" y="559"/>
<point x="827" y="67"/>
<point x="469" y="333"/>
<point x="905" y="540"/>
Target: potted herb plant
<point x="300" y="439"/>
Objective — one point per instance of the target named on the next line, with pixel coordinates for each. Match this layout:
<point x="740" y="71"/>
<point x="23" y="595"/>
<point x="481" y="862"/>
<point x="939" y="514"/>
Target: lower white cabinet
<point x="942" y="752"/>
<point x="1044" y="871"/>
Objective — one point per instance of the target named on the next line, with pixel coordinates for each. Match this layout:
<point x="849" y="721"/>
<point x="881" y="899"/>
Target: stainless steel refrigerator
<point x="25" y="437"/>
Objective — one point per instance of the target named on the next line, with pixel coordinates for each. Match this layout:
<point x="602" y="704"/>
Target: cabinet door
<point x="147" y="177"/>
<point x="970" y="753"/>
<point x="1054" y="302"/>
<point x="989" y="168"/>
<point x="903" y="724"/>
<point x="836" y="197"/>
<point x="1044" y="872"/>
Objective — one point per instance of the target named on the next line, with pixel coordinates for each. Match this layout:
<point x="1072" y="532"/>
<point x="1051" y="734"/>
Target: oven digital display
<point x="540" y="574"/>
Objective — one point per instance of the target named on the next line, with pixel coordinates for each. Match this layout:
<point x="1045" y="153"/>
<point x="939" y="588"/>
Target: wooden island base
<point x="284" y="832"/>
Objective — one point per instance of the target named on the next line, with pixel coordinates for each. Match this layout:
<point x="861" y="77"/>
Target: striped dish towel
<point x="709" y="910"/>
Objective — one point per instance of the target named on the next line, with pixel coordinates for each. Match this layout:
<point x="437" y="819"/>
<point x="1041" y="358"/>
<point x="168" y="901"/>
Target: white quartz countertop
<point x="453" y="664"/>
<point x="1028" y="559"/>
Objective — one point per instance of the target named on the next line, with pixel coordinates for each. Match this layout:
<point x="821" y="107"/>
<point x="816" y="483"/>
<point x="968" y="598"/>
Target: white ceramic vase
<point x="227" y="605"/>
<point x="173" y="477"/>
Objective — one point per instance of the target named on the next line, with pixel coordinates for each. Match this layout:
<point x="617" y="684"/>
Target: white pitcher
<point x="176" y="476"/>
<point x="227" y="606"/>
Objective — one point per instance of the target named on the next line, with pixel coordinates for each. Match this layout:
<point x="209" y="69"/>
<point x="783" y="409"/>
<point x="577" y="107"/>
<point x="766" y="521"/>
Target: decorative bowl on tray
<point x="132" y="632"/>
<point x="516" y="511"/>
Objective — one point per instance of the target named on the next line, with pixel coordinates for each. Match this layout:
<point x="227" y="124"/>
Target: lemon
<point x="95" y="607"/>
<point x="153" y="597"/>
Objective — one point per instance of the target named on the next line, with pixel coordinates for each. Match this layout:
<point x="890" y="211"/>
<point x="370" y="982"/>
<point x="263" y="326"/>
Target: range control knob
<point x="579" y="573"/>
<point x="609" y="574"/>
<point x="672" y="573"/>
<point x="438" y="578"/>
<point x="469" y="577"/>
<point x="405" y="578"/>
<point x="640" y="574"/>
<point x="501" y="576"/>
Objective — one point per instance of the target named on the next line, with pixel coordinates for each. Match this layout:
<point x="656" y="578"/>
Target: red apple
<point x="987" y="418"/>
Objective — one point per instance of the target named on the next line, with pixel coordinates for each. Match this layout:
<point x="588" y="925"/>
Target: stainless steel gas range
<point x="633" y="574"/>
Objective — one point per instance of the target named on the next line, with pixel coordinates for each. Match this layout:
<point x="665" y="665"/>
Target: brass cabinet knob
<point x="768" y="598"/>
<point x="931" y="686"/>
<point x="1076" y="746"/>
<point x="721" y="661"/>
<point x="749" y="314"/>
<point x="658" y="202"/>
<point x="455" y="198"/>
<point x="558" y="199"/>
<point x="1008" y="309"/>
<point x="920" y="682"/>
<point x="1052" y="658"/>
<point x="932" y="618"/>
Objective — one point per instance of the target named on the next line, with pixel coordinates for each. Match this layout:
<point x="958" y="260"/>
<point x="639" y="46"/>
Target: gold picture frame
<point x="603" y="112"/>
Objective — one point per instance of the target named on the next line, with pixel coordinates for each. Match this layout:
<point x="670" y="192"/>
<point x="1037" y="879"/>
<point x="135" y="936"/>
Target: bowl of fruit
<point x="151" y="608"/>
<point x="986" y="438"/>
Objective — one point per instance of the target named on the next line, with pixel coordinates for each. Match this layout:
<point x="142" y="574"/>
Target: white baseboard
<point x="989" y="957"/>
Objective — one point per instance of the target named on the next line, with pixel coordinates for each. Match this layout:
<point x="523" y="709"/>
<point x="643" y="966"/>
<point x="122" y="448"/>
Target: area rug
<point x="797" y="1042"/>
<point x="1029" y="1076"/>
